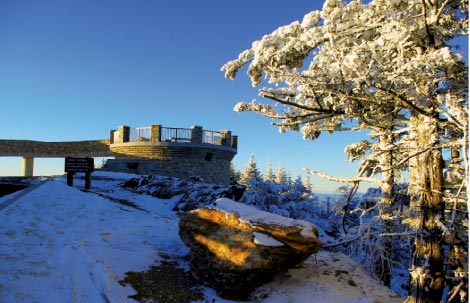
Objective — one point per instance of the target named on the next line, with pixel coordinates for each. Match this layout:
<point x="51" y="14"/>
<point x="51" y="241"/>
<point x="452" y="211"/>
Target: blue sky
<point x="74" y="70"/>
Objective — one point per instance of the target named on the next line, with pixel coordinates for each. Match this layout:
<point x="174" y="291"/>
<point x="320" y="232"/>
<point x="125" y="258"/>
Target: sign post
<point x="79" y="165"/>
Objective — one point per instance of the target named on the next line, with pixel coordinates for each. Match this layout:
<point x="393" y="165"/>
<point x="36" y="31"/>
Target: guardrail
<point x="159" y="133"/>
<point x="174" y="134"/>
<point x="212" y="137"/>
<point x="140" y="134"/>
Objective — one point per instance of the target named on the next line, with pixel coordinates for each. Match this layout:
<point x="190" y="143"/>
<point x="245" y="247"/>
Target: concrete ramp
<point x="41" y="149"/>
<point x="29" y="149"/>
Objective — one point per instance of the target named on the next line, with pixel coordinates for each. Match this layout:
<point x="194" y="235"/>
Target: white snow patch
<point x="325" y="277"/>
<point x="250" y="214"/>
<point x="265" y="240"/>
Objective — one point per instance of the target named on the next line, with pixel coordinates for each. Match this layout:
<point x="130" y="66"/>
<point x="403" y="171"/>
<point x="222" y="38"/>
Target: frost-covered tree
<point x="281" y="176"/>
<point x="289" y="179"/>
<point x="269" y="176"/>
<point x="250" y="172"/>
<point x="386" y="66"/>
<point x="298" y="185"/>
<point x="307" y="183"/>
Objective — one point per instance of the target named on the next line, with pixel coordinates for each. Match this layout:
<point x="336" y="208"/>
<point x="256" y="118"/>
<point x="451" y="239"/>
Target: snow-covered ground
<point x="62" y="244"/>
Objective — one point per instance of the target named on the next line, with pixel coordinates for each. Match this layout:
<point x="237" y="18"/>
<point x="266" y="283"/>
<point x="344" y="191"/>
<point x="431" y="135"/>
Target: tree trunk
<point x="386" y="209"/>
<point x="426" y="181"/>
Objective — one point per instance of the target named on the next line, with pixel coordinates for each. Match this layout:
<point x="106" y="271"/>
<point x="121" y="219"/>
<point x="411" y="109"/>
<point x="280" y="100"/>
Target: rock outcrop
<point x="235" y="247"/>
<point x="191" y="191"/>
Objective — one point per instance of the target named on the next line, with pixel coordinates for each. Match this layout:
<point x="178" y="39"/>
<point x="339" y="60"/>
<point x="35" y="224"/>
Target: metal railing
<point x="173" y="134"/>
<point x="140" y="134"/>
<point x="160" y="133"/>
<point x="212" y="137"/>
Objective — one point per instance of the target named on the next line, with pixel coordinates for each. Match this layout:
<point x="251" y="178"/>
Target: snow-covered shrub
<point x="278" y="211"/>
<point x="292" y="201"/>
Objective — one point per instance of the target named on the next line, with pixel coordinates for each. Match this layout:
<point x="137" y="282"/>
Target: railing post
<point x="235" y="141"/>
<point x="155" y="133"/>
<point x="111" y="136"/>
<point x="225" y="138"/>
<point x="124" y="133"/>
<point x="196" y="134"/>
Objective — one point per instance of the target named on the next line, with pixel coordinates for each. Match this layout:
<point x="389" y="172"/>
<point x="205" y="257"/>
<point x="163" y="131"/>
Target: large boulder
<point x="235" y="247"/>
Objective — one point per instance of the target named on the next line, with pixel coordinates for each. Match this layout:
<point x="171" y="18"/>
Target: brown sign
<point x="79" y="165"/>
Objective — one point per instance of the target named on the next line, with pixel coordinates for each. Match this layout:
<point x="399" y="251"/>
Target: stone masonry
<point x="189" y="157"/>
<point x="40" y="149"/>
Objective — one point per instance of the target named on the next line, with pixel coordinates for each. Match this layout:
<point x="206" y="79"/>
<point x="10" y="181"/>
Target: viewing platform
<point x="174" y="152"/>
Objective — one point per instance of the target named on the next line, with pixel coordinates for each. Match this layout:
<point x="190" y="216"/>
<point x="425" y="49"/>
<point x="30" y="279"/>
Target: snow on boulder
<point x="235" y="247"/>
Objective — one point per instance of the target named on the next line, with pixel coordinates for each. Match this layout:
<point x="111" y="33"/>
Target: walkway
<point x="20" y="193"/>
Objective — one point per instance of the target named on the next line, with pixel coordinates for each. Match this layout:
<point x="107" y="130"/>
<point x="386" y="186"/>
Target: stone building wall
<point x="181" y="160"/>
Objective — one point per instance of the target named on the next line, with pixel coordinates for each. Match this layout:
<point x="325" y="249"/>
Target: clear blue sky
<point x="74" y="70"/>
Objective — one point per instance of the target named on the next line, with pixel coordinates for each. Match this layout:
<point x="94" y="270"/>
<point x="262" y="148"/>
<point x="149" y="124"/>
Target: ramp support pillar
<point x="28" y="166"/>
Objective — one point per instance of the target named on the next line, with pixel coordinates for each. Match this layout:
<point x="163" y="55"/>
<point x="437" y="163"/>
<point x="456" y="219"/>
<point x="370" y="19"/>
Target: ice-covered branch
<point x="421" y="151"/>
<point x="445" y="230"/>
<point x="400" y="234"/>
<point x="231" y="68"/>
<point x="342" y="180"/>
<point x="426" y="25"/>
<point x="409" y="104"/>
<point x="276" y="98"/>
<point x="298" y="119"/>
<point x="441" y="9"/>
<point x="365" y="212"/>
<point x="262" y="109"/>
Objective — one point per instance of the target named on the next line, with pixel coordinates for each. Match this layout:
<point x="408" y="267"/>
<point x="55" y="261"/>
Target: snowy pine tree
<point x="299" y="186"/>
<point x="307" y="183"/>
<point x="250" y="172"/>
<point x="269" y="176"/>
<point x="386" y="66"/>
<point x="281" y="176"/>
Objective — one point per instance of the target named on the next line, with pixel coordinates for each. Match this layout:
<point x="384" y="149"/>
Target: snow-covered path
<point x="75" y="247"/>
<point x="60" y="244"/>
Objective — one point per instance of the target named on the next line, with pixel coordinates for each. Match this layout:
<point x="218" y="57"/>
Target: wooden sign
<point x="79" y="165"/>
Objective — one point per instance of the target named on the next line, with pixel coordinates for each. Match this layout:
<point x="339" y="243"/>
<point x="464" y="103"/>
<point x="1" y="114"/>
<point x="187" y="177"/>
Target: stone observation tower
<point x="174" y="152"/>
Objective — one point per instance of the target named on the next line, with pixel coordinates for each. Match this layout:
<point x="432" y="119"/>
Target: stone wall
<point x="40" y="149"/>
<point x="181" y="160"/>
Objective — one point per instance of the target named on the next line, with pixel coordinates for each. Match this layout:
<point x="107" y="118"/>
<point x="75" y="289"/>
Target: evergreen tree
<point x="250" y="172"/>
<point x="299" y="186"/>
<point x="289" y="179"/>
<point x="307" y="183"/>
<point x="234" y="174"/>
<point x="281" y="176"/>
<point x="269" y="172"/>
